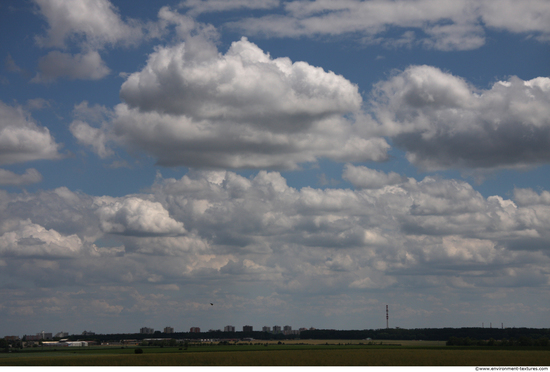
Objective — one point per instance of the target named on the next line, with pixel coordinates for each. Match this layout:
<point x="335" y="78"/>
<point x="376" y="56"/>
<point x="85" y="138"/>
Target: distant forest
<point x="457" y="336"/>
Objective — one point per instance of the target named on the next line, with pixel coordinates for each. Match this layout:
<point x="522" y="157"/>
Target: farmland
<point x="292" y="353"/>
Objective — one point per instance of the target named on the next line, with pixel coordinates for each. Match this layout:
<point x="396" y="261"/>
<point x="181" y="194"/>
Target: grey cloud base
<point x="443" y="122"/>
<point x="55" y="64"/>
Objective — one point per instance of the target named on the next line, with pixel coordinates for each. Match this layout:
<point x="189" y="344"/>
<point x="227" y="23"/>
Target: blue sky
<point x="301" y="163"/>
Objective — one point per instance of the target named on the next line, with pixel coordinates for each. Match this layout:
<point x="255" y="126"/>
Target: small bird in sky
<point x="211" y="304"/>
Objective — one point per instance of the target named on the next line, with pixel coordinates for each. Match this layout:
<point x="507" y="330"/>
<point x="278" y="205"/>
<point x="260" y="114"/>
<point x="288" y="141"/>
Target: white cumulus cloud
<point x="29" y="239"/>
<point x="135" y="216"/>
<point x="193" y="106"/>
<point x="243" y="85"/>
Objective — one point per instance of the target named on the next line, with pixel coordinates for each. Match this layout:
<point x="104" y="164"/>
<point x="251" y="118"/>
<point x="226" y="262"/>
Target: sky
<point x="301" y="163"/>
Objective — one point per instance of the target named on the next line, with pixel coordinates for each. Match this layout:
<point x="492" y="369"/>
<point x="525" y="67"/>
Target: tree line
<point x="521" y="341"/>
<point x="427" y="334"/>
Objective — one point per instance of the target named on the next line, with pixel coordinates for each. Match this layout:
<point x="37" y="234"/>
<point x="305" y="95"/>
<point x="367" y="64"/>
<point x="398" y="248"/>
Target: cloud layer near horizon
<point x="397" y="233"/>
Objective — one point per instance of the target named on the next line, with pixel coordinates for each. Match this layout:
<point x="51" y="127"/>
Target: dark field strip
<point x="318" y="357"/>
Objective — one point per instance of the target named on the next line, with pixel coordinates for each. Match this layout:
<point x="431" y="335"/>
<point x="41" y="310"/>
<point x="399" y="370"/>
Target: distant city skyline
<point x="286" y="330"/>
<point x="167" y="330"/>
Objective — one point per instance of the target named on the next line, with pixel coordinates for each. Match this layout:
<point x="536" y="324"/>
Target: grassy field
<point x="317" y="353"/>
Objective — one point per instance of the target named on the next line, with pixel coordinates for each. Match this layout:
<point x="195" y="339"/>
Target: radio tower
<point x="387" y="318"/>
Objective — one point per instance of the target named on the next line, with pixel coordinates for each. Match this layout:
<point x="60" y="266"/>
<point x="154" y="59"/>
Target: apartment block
<point x="146" y="330"/>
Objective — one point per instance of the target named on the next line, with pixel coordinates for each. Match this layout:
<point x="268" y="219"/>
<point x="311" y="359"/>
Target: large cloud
<point x="193" y="106"/>
<point x="21" y="139"/>
<point x="444" y="122"/>
<point x="443" y="25"/>
<point x="242" y="85"/>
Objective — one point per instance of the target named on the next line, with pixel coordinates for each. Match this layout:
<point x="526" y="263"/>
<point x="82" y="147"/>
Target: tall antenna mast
<point x="387" y="318"/>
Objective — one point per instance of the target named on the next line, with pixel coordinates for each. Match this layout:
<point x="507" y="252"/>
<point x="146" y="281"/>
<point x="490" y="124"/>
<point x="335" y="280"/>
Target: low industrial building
<point x="65" y="343"/>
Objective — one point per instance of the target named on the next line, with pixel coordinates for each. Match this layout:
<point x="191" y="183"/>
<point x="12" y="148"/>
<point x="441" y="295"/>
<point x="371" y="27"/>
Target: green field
<point x="299" y="353"/>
